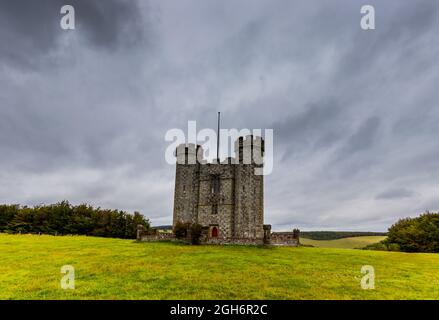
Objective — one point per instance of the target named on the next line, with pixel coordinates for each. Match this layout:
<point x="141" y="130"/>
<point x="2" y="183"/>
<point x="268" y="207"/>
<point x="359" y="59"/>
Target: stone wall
<point x="224" y="200"/>
<point x="237" y="210"/>
<point x="273" y="238"/>
<point x="285" y="238"/>
<point x="238" y="241"/>
<point x="156" y="237"/>
<point x="186" y="193"/>
<point x="152" y="234"/>
<point x="234" y="212"/>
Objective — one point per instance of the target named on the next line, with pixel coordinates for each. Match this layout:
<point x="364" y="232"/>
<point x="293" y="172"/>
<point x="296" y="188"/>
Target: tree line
<point x="63" y="218"/>
<point x="333" y="235"/>
<point x="420" y="234"/>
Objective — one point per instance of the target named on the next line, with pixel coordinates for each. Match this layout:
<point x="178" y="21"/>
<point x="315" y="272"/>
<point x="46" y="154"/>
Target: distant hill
<point x="168" y="227"/>
<point x="333" y="235"/>
<point x="316" y="235"/>
<point x="344" y="243"/>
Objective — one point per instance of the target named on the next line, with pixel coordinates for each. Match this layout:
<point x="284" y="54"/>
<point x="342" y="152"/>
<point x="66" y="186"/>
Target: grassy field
<point x="345" y="243"/>
<point x="124" y="269"/>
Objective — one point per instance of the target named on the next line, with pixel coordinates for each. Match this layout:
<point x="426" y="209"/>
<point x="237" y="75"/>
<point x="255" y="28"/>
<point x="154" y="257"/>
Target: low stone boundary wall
<point x="152" y="235"/>
<point x="273" y="238"/>
<point x="238" y="241"/>
<point x="156" y="237"/>
<point x="284" y="238"/>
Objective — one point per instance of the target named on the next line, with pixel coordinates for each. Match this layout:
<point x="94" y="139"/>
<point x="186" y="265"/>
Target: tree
<point x="180" y="230"/>
<point x="188" y="231"/>
<point x="64" y="218"/>
<point x="420" y="234"/>
<point x="196" y="230"/>
<point x="7" y="213"/>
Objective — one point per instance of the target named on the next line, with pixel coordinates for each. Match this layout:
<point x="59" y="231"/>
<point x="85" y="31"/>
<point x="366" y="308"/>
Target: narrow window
<point x="215" y="184"/>
<point x="215" y="190"/>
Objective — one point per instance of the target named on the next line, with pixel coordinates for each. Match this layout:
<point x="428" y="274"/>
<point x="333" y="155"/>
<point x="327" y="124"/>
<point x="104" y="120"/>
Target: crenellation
<point x="225" y="198"/>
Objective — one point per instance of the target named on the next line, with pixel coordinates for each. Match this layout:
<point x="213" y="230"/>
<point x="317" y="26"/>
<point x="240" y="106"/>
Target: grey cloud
<point x="352" y="111"/>
<point x="363" y="138"/>
<point x="395" y="24"/>
<point x="32" y="28"/>
<point x="312" y="128"/>
<point x="111" y="23"/>
<point x="395" y="194"/>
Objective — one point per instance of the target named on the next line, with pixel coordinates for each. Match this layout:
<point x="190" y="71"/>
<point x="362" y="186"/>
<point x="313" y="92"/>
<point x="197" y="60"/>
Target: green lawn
<point x="124" y="269"/>
<point x="345" y="243"/>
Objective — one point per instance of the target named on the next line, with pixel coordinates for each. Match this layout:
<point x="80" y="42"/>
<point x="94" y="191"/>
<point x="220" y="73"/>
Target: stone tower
<point x="226" y="198"/>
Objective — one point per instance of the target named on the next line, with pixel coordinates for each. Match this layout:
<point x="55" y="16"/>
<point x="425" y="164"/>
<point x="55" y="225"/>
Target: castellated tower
<point x="186" y="183"/>
<point x="226" y="198"/>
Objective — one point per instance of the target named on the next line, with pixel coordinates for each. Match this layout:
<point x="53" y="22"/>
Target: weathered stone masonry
<point x="226" y="198"/>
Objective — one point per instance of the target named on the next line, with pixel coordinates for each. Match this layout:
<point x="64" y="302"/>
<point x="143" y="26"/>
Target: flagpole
<point x="218" y="138"/>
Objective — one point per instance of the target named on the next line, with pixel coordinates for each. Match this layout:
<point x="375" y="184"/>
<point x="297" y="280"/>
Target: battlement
<point x="226" y="199"/>
<point x="189" y="153"/>
<point x="248" y="150"/>
<point x="249" y="141"/>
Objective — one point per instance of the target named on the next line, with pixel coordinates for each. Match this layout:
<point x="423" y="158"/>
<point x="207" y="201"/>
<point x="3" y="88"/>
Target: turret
<point x="248" y="216"/>
<point x="249" y="150"/>
<point x="189" y="153"/>
<point x="187" y="182"/>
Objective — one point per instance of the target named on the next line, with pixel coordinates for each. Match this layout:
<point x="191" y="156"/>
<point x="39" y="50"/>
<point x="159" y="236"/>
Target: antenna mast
<point x="218" y="138"/>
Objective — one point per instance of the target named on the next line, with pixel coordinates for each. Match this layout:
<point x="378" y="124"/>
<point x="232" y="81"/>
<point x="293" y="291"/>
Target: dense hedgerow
<point x="63" y="218"/>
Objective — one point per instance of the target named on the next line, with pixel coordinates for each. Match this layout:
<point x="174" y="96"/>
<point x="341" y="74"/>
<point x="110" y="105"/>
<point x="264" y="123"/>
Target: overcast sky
<point x="84" y="112"/>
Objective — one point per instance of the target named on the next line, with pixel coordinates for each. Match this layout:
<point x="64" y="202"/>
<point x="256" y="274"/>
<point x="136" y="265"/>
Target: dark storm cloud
<point x="30" y="30"/>
<point x="354" y="112"/>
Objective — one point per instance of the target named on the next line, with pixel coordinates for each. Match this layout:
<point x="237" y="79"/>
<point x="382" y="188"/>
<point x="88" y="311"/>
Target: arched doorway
<point x="214" y="232"/>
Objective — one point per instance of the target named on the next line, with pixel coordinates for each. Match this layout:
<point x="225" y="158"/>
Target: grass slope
<point x="345" y="243"/>
<point x="332" y="235"/>
<point x="124" y="269"/>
